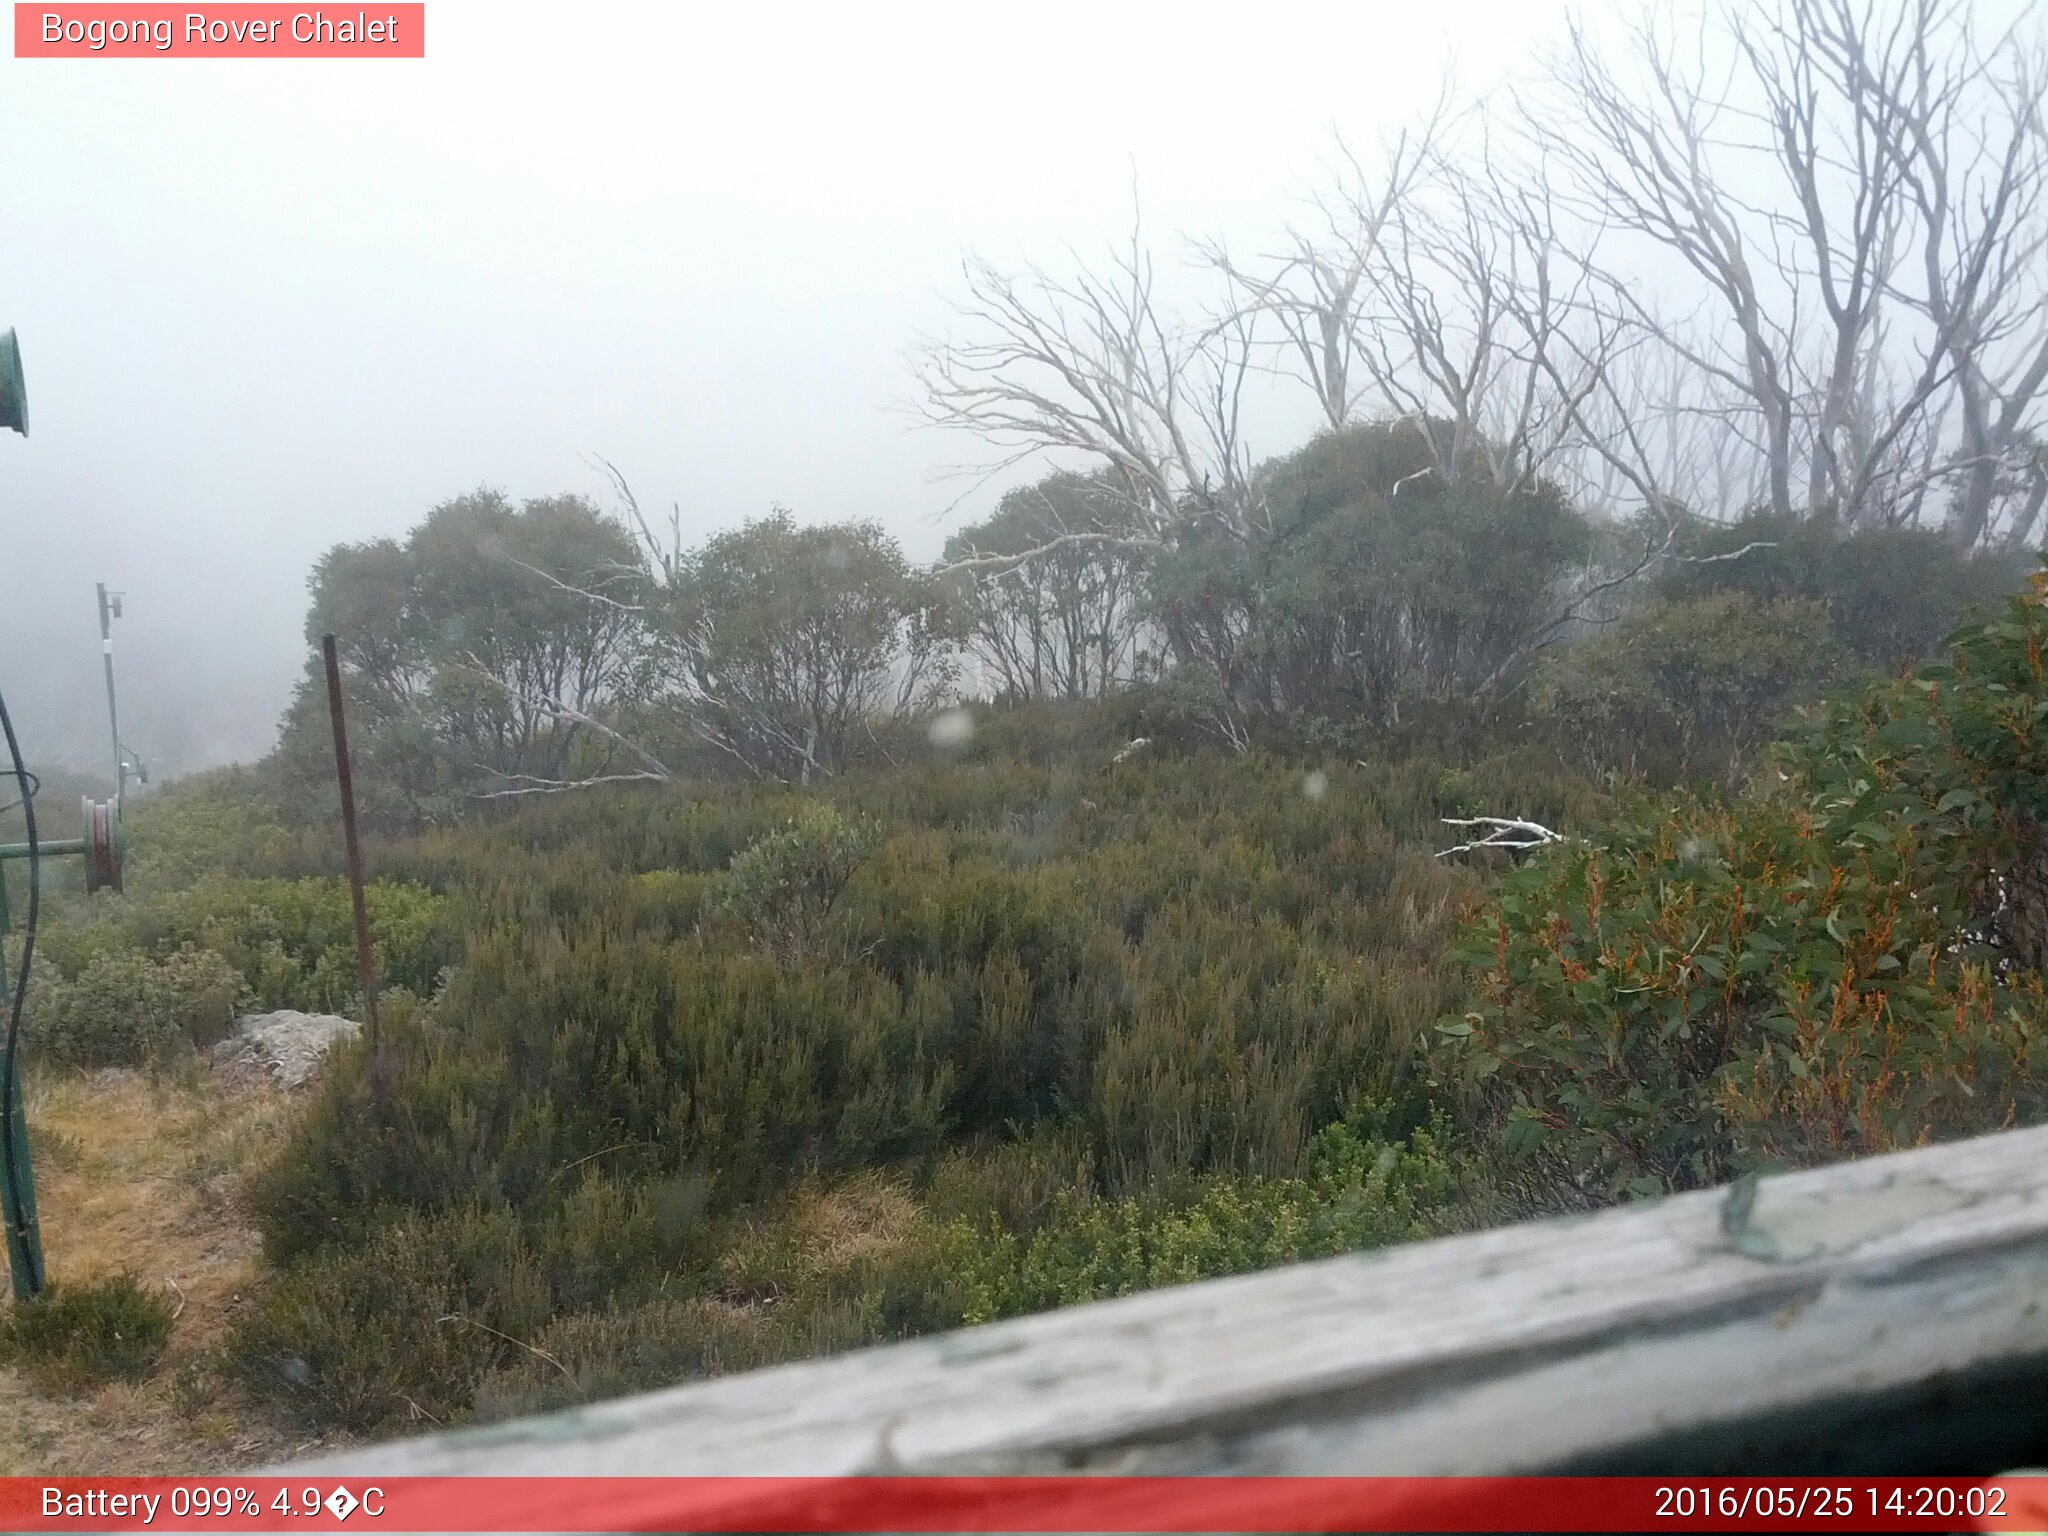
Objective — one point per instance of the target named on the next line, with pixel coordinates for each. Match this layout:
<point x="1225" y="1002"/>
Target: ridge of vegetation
<point x="681" y="1078"/>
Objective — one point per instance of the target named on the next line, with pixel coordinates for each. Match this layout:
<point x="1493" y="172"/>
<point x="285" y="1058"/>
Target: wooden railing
<point x="1889" y="1314"/>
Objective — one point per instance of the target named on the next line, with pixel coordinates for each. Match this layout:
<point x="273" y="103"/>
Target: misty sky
<point x="266" y="306"/>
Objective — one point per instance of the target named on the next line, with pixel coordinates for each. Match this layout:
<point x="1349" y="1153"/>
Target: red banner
<point x="229" y="31"/>
<point x="1005" y="1504"/>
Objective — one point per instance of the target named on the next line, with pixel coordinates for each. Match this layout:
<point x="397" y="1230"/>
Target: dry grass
<point x="824" y="1231"/>
<point x="862" y="1217"/>
<point x="140" y="1173"/>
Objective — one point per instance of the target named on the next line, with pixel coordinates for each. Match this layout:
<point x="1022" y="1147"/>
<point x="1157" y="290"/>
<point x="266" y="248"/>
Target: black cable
<point x="33" y="1280"/>
<point x="35" y="787"/>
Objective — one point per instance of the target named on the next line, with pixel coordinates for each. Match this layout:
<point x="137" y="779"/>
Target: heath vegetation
<point x="789" y="946"/>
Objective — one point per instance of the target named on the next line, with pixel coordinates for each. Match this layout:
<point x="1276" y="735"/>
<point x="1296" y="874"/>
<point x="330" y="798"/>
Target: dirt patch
<point x="142" y="1174"/>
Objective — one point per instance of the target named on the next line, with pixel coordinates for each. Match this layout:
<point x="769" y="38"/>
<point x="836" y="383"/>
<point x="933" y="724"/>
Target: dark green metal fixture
<point x="101" y="848"/>
<point x="13" y="390"/>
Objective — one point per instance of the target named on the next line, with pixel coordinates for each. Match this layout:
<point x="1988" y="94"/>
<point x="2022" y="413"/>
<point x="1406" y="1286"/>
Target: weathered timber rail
<point x="1889" y="1314"/>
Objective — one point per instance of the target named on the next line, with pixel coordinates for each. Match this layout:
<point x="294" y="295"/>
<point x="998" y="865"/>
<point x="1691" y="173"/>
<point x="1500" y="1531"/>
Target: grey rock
<point x="288" y="1044"/>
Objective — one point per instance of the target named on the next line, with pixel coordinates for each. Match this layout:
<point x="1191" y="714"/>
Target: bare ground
<point x="140" y="1173"/>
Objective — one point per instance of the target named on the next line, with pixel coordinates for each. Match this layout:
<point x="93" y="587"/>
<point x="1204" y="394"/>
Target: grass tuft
<point x="79" y="1336"/>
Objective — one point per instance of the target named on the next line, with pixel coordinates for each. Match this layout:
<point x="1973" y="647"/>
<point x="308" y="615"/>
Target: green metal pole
<point x="24" y="1234"/>
<point x="24" y="1237"/>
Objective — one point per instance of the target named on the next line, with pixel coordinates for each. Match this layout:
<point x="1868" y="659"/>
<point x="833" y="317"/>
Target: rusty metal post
<point x="364" y="965"/>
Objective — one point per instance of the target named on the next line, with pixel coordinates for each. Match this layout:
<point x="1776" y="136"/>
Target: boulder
<point x="287" y="1044"/>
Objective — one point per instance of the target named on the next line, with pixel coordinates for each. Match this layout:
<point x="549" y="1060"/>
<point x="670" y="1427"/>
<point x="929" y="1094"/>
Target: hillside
<point x="681" y="1078"/>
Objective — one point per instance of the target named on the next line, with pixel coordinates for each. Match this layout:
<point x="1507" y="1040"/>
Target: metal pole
<point x="18" y="1185"/>
<point x="113" y="720"/>
<point x="364" y="968"/>
<point x="24" y="1233"/>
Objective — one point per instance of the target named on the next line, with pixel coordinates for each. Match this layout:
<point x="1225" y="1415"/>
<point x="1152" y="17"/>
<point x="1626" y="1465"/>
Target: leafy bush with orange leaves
<point x="1848" y="963"/>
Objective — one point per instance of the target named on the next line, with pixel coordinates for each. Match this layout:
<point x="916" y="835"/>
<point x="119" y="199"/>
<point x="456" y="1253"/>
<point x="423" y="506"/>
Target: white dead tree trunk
<point x="1092" y="365"/>
<point x="1973" y="154"/>
<point x="1319" y="291"/>
<point x="1636" y="150"/>
<point x="1853" y="190"/>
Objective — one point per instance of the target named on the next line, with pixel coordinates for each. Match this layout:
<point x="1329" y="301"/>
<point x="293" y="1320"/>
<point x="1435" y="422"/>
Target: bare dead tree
<point x="1492" y="333"/>
<point x="1637" y="154"/>
<point x="1973" y="155"/>
<point x="1843" y="177"/>
<point x="1652" y="432"/>
<point x="1092" y="365"/>
<point x="664" y="553"/>
<point x="1317" y="290"/>
<point x="1795" y="160"/>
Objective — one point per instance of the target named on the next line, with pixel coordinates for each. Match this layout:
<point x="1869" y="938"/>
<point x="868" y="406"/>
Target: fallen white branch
<point x="1506" y="832"/>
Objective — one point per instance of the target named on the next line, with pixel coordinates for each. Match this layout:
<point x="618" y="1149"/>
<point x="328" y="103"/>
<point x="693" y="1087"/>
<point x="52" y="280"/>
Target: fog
<point x="265" y="306"/>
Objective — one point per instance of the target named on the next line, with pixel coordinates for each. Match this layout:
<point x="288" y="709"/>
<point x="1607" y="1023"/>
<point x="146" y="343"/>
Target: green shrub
<point x="1045" y="980"/>
<point x="1892" y="594"/>
<point x="1358" y="598"/>
<point x="731" y="1073"/>
<point x="78" y="1336"/>
<point x="1845" y="965"/>
<point x="211" y="826"/>
<point x="361" y="1338"/>
<point x="624" y="1287"/>
<point x="1360" y="1189"/>
<point x="292" y="942"/>
<point x="125" y="1009"/>
<point x="782" y="889"/>
<point x="1691" y="686"/>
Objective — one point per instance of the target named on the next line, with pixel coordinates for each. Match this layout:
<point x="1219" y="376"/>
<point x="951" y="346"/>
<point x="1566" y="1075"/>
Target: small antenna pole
<point x="365" y="968"/>
<point x="109" y="606"/>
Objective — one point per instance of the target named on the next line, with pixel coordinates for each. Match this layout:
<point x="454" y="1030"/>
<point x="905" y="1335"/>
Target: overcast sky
<point x="266" y="306"/>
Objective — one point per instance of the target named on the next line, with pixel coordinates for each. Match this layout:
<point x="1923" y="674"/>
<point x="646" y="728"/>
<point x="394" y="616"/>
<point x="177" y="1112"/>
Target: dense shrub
<point x="732" y="1073"/>
<point x="425" y="1307"/>
<point x="1358" y="1190"/>
<point x="1691" y="686"/>
<point x="81" y="1336"/>
<point x="212" y="825"/>
<point x="782" y="889"/>
<point x="1847" y="964"/>
<point x="1892" y="594"/>
<point x="829" y="1269"/>
<point x="1198" y="968"/>
<point x="126" y="1009"/>
<point x="292" y="942"/>
<point x="1353" y="599"/>
<point x="1111" y="981"/>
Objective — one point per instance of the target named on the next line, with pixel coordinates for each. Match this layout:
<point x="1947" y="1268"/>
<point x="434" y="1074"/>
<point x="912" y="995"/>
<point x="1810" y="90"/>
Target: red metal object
<point x="102" y="850"/>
